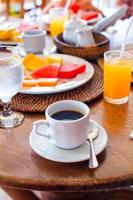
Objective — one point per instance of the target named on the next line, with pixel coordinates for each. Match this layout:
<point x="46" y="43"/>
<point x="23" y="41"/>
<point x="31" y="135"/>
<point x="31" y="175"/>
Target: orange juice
<point x="57" y="26"/>
<point x="58" y="16"/>
<point x="117" y="78"/>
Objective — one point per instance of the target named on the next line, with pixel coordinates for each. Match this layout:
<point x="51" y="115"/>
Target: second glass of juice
<point x="58" y="16"/>
<point x="117" y="76"/>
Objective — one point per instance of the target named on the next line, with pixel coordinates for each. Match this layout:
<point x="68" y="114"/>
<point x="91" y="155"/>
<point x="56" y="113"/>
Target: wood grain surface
<point x="117" y="194"/>
<point x="22" y="168"/>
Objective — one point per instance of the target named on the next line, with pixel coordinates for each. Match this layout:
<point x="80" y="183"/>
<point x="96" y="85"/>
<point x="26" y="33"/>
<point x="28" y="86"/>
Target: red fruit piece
<point x="48" y="71"/>
<point x="89" y="15"/>
<point x="74" y="7"/>
<point x="71" y="70"/>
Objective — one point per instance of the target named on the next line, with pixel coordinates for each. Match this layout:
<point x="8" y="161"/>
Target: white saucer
<point x="46" y="149"/>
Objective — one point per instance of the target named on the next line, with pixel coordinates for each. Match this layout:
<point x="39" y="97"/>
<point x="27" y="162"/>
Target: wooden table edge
<point x="66" y="186"/>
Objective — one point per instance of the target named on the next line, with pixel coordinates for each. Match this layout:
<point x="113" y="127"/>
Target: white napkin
<point x="117" y="33"/>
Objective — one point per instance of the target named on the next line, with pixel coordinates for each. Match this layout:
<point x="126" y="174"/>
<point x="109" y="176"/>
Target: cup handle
<point x="45" y="124"/>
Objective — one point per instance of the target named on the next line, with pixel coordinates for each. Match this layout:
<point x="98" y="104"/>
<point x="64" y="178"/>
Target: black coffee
<point x="67" y="115"/>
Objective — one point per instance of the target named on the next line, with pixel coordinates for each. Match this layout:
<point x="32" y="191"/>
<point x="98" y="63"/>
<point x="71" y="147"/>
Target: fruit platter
<point x="54" y="73"/>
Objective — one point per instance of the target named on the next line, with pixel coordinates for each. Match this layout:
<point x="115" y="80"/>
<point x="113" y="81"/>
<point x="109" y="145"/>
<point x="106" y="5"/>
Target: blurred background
<point x="17" y="8"/>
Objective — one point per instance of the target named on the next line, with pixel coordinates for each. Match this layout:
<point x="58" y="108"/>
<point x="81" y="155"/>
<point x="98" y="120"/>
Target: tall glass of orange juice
<point x="58" y="16"/>
<point x="117" y="76"/>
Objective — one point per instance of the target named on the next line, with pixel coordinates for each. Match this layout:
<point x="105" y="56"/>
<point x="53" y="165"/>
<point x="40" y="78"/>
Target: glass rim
<point x="17" y="63"/>
<point x="126" y="54"/>
<point x="34" y="33"/>
<point x="58" y="10"/>
<point x="68" y="102"/>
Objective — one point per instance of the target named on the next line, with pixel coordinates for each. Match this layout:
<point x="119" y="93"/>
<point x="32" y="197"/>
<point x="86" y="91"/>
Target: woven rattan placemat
<point x="38" y="103"/>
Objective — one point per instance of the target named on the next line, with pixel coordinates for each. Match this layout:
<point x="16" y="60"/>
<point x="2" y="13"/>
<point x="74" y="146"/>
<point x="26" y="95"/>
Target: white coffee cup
<point x="67" y="134"/>
<point x="34" y="40"/>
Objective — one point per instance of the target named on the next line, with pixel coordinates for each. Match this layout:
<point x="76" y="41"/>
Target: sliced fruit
<point x="28" y="58"/>
<point x="27" y="77"/>
<point x="18" y="39"/>
<point x="7" y="34"/>
<point x="32" y="62"/>
<point x="47" y="81"/>
<point x="71" y="70"/>
<point x="89" y="15"/>
<point x="4" y="35"/>
<point x="13" y="34"/>
<point x="52" y="59"/>
<point x="74" y="7"/>
<point x="42" y="82"/>
<point x="29" y="83"/>
<point x="48" y="71"/>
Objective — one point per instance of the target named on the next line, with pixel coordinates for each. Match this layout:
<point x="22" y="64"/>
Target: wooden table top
<point x="22" y="168"/>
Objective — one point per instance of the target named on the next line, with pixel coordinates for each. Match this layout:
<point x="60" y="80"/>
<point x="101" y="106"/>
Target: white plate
<point x="46" y="149"/>
<point x="79" y="80"/>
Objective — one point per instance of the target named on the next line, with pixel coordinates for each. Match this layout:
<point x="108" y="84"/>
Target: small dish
<point x="46" y="149"/>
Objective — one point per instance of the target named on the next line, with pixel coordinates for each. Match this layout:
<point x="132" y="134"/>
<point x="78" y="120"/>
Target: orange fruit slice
<point x="32" y="62"/>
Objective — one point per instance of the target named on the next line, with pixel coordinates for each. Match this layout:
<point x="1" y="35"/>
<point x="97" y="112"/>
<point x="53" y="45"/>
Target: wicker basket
<point x="88" y="52"/>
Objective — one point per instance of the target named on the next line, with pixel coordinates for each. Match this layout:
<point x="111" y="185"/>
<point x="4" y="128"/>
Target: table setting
<point x="59" y="78"/>
<point x="52" y="77"/>
<point x="51" y="152"/>
<point x="64" y="76"/>
<point x="57" y="99"/>
<point x="69" y="84"/>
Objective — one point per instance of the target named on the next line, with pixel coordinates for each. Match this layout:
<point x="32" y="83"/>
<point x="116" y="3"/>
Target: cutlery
<point x="93" y="163"/>
<point x="67" y="5"/>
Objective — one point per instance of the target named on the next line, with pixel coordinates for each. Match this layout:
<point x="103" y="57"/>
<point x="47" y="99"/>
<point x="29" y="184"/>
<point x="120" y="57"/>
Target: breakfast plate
<point x="67" y="84"/>
<point x="46" y="149"/>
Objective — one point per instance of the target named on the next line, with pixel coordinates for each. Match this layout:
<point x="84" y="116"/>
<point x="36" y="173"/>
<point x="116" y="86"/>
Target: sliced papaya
<point x="71" y="70"/>
<point x="48" y="71"/>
